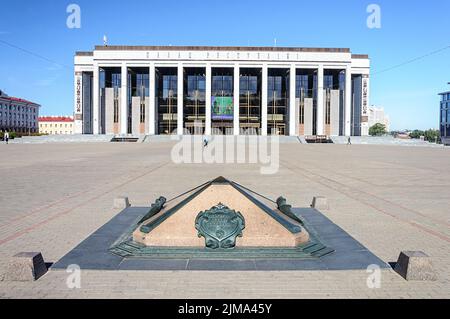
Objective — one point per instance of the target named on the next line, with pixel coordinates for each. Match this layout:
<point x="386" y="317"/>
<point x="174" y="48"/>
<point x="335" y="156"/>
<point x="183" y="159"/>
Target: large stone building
<point x="151" y="90"/>
<point x="377" y="115"/>
<point x="56" y="125"/>
<point x="18" y="115"/>
<point x="445" y="118"/>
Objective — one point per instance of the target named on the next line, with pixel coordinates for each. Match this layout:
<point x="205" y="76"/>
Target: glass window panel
<point x="253" y="85"/>
<point x="243" y="84"/>
<point x="202" y="83"/>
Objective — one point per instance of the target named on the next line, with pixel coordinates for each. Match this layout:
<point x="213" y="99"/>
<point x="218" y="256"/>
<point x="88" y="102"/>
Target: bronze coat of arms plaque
<point x="220" y="226"/>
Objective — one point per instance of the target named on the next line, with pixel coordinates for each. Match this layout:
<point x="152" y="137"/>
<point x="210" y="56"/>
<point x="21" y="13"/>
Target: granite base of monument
<point x="220" y="225"/>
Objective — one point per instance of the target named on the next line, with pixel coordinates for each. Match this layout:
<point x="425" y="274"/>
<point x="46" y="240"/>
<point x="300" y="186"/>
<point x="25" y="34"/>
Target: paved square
<point x="53" y="196"/>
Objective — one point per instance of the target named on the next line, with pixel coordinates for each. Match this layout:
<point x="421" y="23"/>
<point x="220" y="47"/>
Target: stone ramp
<point x="340" y="140"/>
<point x="382" y="140"/>
<point x="160" y="138"/>
<point x="76" y="138"/>
<point x="174" y="138"/>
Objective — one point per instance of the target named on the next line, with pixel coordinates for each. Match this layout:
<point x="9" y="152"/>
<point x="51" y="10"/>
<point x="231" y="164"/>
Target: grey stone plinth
<point x="26" y="266"/>
<point x="415" y="265"/>
<point x="320" y="203"/>
<point x="121" y="203"/>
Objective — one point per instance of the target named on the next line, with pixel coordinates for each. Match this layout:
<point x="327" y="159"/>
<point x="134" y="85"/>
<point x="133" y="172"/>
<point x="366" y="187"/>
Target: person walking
<point x="349" y="141"/>
<point x="6" y="137"/>
<point x="205" y="142"/>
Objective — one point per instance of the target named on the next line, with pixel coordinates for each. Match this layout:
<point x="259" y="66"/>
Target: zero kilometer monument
<point x="158" y="90"/>
<point x="219" y="225"/>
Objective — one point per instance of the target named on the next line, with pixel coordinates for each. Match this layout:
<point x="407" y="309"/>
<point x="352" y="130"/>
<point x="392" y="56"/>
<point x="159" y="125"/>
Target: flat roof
<point x="55" y="119"/>
<point x="215" y="48"/>
<point x="448" y="92"/>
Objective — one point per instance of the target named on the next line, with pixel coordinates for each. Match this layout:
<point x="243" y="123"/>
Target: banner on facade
<point x="365" y="96"/>
<point x="222" y="107"/>
<point x="78" y="93"/>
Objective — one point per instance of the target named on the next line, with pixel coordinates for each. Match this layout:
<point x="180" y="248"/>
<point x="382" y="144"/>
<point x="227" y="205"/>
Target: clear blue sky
<point x="410" y="28"/>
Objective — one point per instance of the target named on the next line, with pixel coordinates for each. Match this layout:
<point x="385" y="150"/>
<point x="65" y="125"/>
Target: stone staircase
<point x="125" y="139"/>
<point x="129" y="248"/>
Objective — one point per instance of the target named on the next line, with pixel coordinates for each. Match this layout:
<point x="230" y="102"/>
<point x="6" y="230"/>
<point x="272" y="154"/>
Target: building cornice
<point x="217" y="48"/>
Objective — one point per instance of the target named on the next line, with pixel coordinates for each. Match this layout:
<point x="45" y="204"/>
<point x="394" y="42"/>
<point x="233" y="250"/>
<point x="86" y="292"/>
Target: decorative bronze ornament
<point x="220" y="226"/>
<point x="287" y="209"/>
<point x="154" y="209"/>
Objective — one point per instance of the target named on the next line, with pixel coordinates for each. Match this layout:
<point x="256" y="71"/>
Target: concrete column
<point x="180" y="98"/>
<point x="152" y="99"/>
<point x="236" y="77"/>
<point x="96" y="101"/>
<point x="320" y="102"/>
<point x="264" y="86"/>
<point x="348" y="99"/>
<point x="208" y="85"/>
<point x="124" y="100"/>
<point x="292" y="119"/>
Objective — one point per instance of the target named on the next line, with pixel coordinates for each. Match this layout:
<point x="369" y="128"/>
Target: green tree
<point x="417" y="134"/>
<point x="377" y="130"/>
<point x="429" y="135"/>
<point x="432" y="135"/>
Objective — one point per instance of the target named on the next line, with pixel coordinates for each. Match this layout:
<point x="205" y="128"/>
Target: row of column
<point x="236" y="126"/>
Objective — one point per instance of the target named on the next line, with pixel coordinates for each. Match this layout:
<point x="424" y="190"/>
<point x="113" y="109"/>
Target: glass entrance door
<point x="250" y="101"/>
<point x="222" y="103"/>
<point x="277" y="97"/>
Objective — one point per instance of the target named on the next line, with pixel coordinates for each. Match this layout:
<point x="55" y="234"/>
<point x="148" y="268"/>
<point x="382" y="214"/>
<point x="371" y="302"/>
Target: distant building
<point x="56" y="125"/>
<point x="377" y="115"/>
<point x="403" y="135"/>
<point x="445" y="117"/>
<point x="18" y="115"/>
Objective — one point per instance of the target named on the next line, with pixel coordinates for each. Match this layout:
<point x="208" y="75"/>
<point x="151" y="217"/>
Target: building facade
<point x="18" y="115"/>
<point x="377" y="115"/>
<point x="151" y="90"/>
<point x="445" y="118"/>
<point x="56" y="125"/>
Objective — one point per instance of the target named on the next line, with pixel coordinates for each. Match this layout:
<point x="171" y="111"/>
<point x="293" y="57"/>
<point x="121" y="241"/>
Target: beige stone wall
<point x="334" y="113"/>
<point x="111" y="127"/>
<point x="308" y="127"/>
<point x="139" y="128"/>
